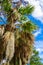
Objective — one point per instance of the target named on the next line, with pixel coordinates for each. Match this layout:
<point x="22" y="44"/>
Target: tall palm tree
<point x="17" y="38"/>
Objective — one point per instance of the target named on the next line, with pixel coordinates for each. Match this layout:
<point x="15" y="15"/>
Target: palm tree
<point x="17" y="38"/>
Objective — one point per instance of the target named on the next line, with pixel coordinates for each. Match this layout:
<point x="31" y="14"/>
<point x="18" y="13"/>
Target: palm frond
<point x="26" y="10"/>
<point x="6" y="5"/>
<point x="9" y="41"/>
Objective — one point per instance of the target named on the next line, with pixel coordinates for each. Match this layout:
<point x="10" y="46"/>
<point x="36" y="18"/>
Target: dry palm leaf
<point x="9" y="40"/>
<point x="24" y="47"/>
<point x="2" y="48"/>
<point x="1" y="30"/>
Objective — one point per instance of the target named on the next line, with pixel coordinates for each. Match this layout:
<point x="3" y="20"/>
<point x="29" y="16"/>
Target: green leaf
<point x="6" y="5"/>
<point x="26" y="10"/>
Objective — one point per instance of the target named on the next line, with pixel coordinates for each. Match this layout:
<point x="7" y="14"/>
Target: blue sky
<point x="39" y="35"/>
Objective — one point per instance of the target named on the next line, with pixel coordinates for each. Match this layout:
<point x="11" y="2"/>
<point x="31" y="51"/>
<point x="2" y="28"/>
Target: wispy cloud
<point x="37" y="33"/>
<point x="38" y="12"/>
<point x="39" y="44"/>
<point x="39" y="47"/>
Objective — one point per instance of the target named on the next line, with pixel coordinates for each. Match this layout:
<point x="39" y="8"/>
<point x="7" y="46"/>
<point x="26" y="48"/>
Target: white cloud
<point x="37" y="33"/>
<point x="38" y="12"/>
<point x="15" y="0"/>
<point x="39" y="44"/>
<point x="38" y="49"/>
<point x="41" y="19"/>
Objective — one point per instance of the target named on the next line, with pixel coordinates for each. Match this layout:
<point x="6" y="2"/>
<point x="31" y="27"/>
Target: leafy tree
<point x="17" y="39"/>
<point x="35" y="59"/>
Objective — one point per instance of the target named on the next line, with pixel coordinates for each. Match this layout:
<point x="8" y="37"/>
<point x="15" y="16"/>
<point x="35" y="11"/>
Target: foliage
<point x="6" y="5"/>
<point x="26" y="10"/>
<point x="35" y="59"/>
